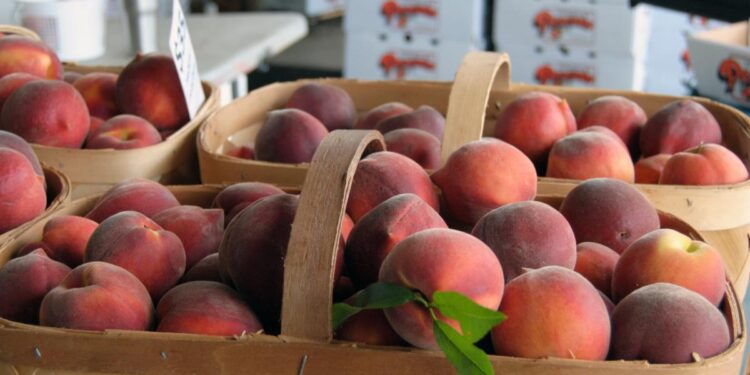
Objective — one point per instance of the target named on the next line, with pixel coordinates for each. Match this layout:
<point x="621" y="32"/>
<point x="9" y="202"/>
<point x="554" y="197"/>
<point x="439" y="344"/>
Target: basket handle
<point x="478" y="75"/>
<point x="316" y="230"/>
<point x="18" y="30"/>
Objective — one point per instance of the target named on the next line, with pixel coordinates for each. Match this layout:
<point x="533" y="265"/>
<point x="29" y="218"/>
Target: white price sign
<point x="184" y="58"/>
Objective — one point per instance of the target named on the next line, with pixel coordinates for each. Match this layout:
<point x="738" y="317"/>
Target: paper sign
<point x="184" y="58"/>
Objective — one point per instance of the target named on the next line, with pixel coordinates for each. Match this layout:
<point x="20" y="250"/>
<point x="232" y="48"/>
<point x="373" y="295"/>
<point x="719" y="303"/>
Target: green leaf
<point x="375" y="296"/>
<point x="475" y="320"/>
<point x="465" y="357"/>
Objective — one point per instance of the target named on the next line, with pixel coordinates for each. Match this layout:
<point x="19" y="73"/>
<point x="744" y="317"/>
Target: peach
<point x="384" y="174"/>
<point x="234" y="198"/>
<point x="98" y="90"/>
<point x="19" y="54"/>
<point x="24" y="281"/>
<point x="417" y="145"/>
<point x="527" y="235"/>
<point x="619" y="114"/>
<point x="94" y="126"/>
<point x="346" y="227"/>
<point x="610" y="212"/>
<point x="50" y="113"/>
<point x="343" y="288"/>
<point x="135" y="194"/>
<point x="12" y="82"/>
<point x="378" y="231"/>
<point x="533" y="122"/>
<point x="31" y="246"/>
<point x="206" y="308"/>
<point x="666" y="323"/>
<point x="71" y="77"/>
<point x="596" y="262"/>
<point x="706" y="164"/>
<point x="136" y="243"/>
<point x="199" y="229"/>
<point x="484" y="175"/>
<point x="679" y="126"/>
<point x="10" y="140"/>
<point x="583" y="155"/>
<point x="289" y="136"/>
<point x="666" y="255"/>
<point x="331" y="105"/>
<point x="368" y="327"/>
<point x="380" y="113"/>
<point x="607" y="302"/>
<point x="149" y="87"/>
<point x="552" y="312"/>
<point x="124" y="132"/>
<point x="66" y="236"/>
<point x="98" y="296"/>
<point x="207" y="269"/>
<point x="423" y="118"/>
<point x="22" y="193"/>
<point x="439" y="260"/>
<point x="648" y="170"/>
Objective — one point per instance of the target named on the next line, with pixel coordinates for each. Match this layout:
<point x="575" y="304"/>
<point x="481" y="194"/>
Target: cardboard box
<point x="400" y="56"/>
<point x="575" y="68"/>
<point x="721" y="62"/>
<point x="462" y="20"/>
<point x="311" y="8"/>
<point x="604" y="27"/>
<point x="668" y="64"/>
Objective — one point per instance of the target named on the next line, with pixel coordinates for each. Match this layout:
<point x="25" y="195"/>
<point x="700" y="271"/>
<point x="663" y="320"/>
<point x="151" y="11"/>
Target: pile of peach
<point x="597" y="279"/>
<point x="680" y="144"/>
<point x="140" y="107"/>
<point x="23" y="190"/>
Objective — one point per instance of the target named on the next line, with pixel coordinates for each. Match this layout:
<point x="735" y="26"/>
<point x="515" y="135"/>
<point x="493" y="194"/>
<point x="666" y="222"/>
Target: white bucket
<point x="72" y="28"/>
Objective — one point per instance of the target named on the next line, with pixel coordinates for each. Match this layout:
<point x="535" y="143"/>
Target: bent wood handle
<point x="18" y="30"/>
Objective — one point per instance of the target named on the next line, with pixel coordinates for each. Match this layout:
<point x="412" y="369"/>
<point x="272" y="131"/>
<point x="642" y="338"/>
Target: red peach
<point x="619" y="114"/>
<point x="124" y="132"/>
<point x="330" y="104"/>
<point x="207" y="269"/>
<point x="199" y="229"/>
<point x="707" y="164"/>
<point x="22" y="193"/>
<point x="380" y="113"/>
<point x="10" y="140"/>
<point x="66" y="236"/>
<point x="289" y="136"/>
<point x="12" y="82"/>
<point x="19" y="54"/>
<point x="679" y="126"/>
<point x="234" y="198"/>
<point x="417" y="145"/>
<point x="135" y="194"/>
<point x="423" y="118"/>
<point x="596" y="262"/>
<point x="583" y="155"/>
<point x="98" y="90"/>
<point x="648" y="170"/>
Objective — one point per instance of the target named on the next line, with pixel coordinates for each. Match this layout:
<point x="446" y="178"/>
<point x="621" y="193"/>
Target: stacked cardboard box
<point x="589" y="43"/>
<point x="410" y="39"/>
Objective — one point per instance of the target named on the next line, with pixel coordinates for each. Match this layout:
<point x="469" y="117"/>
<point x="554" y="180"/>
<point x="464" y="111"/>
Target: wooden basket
<point x="481" y="88"/>
<point x="20" y="31"/>
<point x="172" y="161"/>
<point x="58" y="193"/>
<point x="305" y="344"/>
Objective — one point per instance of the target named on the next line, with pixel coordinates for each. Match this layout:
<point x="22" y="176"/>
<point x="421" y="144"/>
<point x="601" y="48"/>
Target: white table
<point x="227" y="45"/>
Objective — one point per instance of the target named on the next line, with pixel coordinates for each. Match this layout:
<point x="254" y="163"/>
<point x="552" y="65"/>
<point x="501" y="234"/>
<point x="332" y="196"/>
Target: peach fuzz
<point x="583" y="155"/>
<point x="124" y="132"/>
<point x="666" y="255"/>
<point x="136" y="194"/>
<point x="12" y="82"/>
<point x="533" y="122"/>
<point x="417" y="145"/>
<point x="439" y="260"/>
<point x="65" y="238"/>
<point x="206" y="308"/>
<point x="679" y="126"/>
<point x="19" y="54"/>
<point x="424" y="118"/>
<point x="136" y="243"/>
<point x="707" y="164"/>
<point x="610" y="212"/>
<point x="98" y="296"/>
<point x="527" y="235"/>
<point x="484" y="175"/>
<point x="376" y="233"/>
<point x="98" y="90"/>
<point x="200" y="230"/>
<point x="596" y="263"/>
<point x="648" y="170"/>
<point x="22" y="193"/>
<point x="45" y="112"/>
<point x="553" y="312"/>
<point x="384" y="174"/>
<point x="370" y="119"/>
<point x="10" y="140"/>
<point x="619" y="114"/>
<point x="330" y="104"/>
<point x="24" y="281"/>
<point x="207" y="269"/>
<point x="234" y="198"/>
<point x="289" y="136"/>
<point x="666" y="323"/>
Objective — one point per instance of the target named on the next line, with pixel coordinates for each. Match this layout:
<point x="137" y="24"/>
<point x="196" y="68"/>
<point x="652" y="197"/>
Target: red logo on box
<point x="392" y="63"/>
<point x="546" y="21"/>
<point x="735" y="76"/>
<point x="392" y="9"/>
<point x="547" y="75"/>
<point x="685" y="58"/>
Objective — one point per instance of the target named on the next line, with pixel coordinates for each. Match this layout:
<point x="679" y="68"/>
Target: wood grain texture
<point x="316" y="231"/>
